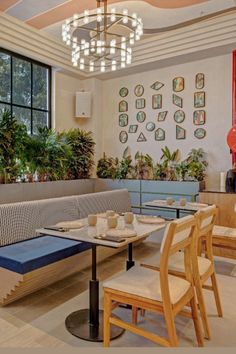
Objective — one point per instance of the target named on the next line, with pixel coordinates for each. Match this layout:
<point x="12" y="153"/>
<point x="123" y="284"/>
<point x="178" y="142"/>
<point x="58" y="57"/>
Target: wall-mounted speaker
<point x="83" y="104"/>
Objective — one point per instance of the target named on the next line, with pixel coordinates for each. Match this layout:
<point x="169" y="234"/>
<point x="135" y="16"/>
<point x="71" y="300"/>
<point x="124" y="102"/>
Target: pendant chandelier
<point x="102" y="40"/>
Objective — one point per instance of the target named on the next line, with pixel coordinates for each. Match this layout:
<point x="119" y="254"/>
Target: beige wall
<point x="218" y="78"/>
<point x="65" y="87"/>
<point x="105" y="99"/>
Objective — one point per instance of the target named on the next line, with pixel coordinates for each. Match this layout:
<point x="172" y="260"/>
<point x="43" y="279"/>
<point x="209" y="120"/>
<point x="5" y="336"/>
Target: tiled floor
<point x="38" y="319"/>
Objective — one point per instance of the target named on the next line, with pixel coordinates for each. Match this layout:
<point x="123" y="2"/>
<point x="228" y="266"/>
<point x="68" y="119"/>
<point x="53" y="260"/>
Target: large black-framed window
<point x="25" y="90"/>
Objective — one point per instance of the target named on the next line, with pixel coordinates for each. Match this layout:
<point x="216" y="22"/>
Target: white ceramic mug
<point x="129" y="217"/>
<point x="169" y="201"/>
<point x="110" y="213"/>
<point x="112" y="222"/>
<point x="92" y="219"/>
<point x="182" y="201"/>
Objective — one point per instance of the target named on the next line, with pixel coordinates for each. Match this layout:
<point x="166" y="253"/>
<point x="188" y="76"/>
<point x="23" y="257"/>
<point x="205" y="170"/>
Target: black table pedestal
<point x="87" y="324"/>
<point x="78" y="324"/>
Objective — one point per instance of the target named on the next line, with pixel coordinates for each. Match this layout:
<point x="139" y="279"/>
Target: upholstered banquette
<point x="29" y="262"/>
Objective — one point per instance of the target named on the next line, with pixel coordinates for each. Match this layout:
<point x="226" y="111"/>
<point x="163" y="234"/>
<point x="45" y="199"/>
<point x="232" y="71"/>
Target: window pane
<point x="40" y="87"/>
<point x="21" y="82"/>
<point x="23" y="115"/>
<point x="5" y="77"/>
<point x="2" y="107"/>
<point x="40" y="119"/>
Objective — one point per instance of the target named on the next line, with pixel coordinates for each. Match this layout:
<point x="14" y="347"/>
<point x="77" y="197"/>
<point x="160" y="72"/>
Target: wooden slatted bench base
<point x="224" y="241"/>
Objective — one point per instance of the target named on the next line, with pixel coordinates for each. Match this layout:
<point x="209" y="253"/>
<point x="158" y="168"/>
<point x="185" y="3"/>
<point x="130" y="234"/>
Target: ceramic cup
<point x="112" y="222"/>
<point x="182" y="201"/>
<point x="129" y="217"/>
<point x="169" y="201"/>
<point x="92" y="219"/>
<point x="110" y="213"/>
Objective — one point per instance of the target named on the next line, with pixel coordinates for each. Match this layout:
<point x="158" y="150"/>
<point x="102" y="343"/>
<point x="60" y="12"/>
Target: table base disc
<point x="77" y="323"/>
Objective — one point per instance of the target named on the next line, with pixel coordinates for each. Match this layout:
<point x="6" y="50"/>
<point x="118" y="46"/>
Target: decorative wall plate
<point x="162" y="116"/>
<point x="200" y="81"/>
<point x="178" y="84"/>
<point x="139" y="90"/>
<point x="123" y="137"/>
<point x="140" y="103"/>
<point x="150" y="126"/>
<point x="123" y="106"/>
<point x="177" y="101"/>
<point x="157" y="85"/>
<point x="141" y="116"/>
<point x="199" y="99"/>
<point x="141" y="138"/>
<point x="199" y="117"/>
<point x="200" y="133"/>
<point x="157" y="101"/>
<point x="180" y="133"/>
<point x="133" y="128"/>
<point x="179" y="116"/>
<point x="123" y="92"/>
<point x="123" y="120"/>
<point x="160" y="134"/>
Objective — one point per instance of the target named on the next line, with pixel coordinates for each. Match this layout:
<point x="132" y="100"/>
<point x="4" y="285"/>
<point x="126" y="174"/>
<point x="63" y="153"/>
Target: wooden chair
<point x="157" y="291"/>
<point x="202" y="264"/>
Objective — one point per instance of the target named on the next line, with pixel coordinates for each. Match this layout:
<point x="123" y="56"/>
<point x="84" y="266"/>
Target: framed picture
<point x="200" y="133"/>
<point x="141" y="138"/>
<point x="179" y="116"/>
<point x="123" y="92"/>
<point x="200" y="81"/>
<point x="180" y="133"/>
<point x="123" y="106"/>
<point x="123" y="120"/>
<point x="199" y="99"/>
<point x="160" y="134"/>
<point x="150" y="126"/>
<point x="133" y="128"/>
<point x="139" y="90"/>
<point x="178" y="84"/>
<point x="141" y="116"/>
<point x="123" y="137"/>
<point x="157" y="101"/>
<point x="162" y="116"/>
<point x="177" y="101"/>
<point x="157" y="85"/>
<point x="199" y="117"/>
<point x="140" y="103"/>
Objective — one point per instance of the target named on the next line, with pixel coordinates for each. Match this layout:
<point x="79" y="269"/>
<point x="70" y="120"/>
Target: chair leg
<point x="216" y="294"/>
<point x="202" y="308"/>
<point x="106" y="319"/>
<point x="170" y="324"/>
<point x="134" y="315"/>
<point x="196" y="321"/>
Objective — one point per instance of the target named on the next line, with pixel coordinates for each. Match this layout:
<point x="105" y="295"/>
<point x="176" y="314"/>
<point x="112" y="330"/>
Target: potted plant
<point x="106" y="167"/>
<point x="143" y="166"/>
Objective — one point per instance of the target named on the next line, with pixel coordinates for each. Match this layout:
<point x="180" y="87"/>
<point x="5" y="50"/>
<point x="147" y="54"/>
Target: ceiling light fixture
<point x="100" y="39"/>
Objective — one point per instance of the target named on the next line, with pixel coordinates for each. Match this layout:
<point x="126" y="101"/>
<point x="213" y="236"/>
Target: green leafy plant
<point x="143" y="166"/>
<point x="12" y="139"/>
<point x="82" y="145"/>
<point x="106" y="167"/>
<point x="197" y="164"/>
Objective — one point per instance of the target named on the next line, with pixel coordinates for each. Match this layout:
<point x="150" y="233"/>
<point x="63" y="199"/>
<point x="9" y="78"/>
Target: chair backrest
<point x="179" y="235"/>
<point x="206" y="219"/>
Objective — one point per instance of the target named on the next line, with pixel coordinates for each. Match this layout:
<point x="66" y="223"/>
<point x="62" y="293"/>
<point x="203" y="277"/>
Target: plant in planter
<point x="143" y="166"/>
<point x="182" y="170"/>
<point x="169" y="162"/>
<point x="106" y="167"/>
<point x="82" y="147"/>
<point x="12" y="144"/>
<point x="197" y="164"/>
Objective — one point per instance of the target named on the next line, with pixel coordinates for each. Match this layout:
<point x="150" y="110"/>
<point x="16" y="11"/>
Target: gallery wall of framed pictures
<point x="143" y="100"/>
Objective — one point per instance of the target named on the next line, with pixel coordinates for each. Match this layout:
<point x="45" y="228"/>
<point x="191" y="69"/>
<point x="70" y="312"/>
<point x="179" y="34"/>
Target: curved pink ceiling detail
<point x="77" y="6"/>
<point x="5" y="4"/>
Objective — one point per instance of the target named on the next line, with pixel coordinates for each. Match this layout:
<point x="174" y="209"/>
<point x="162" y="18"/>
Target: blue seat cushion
<point x="28" y="255"/>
